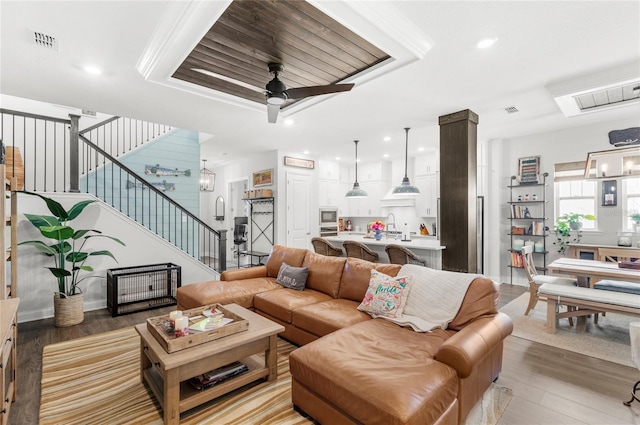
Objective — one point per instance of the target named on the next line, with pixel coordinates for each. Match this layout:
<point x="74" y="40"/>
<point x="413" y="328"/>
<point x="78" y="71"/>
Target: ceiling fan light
<point x="276" y="99"/>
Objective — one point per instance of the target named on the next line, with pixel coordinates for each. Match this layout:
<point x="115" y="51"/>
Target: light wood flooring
<point x="550" y="386"/>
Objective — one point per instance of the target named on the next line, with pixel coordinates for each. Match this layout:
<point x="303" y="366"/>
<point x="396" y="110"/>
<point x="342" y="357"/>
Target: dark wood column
<point x="458" y="193"/>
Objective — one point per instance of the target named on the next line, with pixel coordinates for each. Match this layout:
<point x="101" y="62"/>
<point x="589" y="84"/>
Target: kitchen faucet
<point x="389" y="223"/>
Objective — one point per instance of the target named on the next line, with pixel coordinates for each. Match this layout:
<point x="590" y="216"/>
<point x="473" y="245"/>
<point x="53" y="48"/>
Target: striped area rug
<point x="96" y="380"/>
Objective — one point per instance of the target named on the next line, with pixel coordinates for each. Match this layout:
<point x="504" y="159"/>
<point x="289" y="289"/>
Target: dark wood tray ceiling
<point x="250" y="34"/>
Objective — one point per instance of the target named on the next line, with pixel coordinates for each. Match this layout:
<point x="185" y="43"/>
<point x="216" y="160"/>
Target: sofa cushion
<point x="328" y="316"/>
<point x="292" y="277"/>
<point x="356" y="276"/>
<point x="480" y="300"/>
<point x="240" y="292"/>
<point x="386" y="295"/>
<point x="280" y="254"/>
<point x="324" y="272"/>
<point x="283" y="301"/>
<point x="379" y="373"/>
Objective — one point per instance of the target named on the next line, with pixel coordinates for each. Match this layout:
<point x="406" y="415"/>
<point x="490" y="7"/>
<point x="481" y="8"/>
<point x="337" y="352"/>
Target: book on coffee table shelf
<point x="218" y="375"/>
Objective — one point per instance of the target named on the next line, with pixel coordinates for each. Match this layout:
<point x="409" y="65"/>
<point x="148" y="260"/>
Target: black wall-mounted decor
<point x="609" y="195"/>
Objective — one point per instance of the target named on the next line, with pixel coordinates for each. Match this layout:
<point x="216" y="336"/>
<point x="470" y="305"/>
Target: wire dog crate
<point x="139" y="288"/>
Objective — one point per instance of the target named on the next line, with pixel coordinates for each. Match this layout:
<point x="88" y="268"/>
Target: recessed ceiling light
<point x="92" y="70"/>
<point x="288" y="121"/>
<point x="420" y="149"/>
<point x="337" y="158"/>
<point x="487" y="42"/>
<point x="386" y="155"/>
<point x="305" y="152"/>
<point x="386" y="139"/>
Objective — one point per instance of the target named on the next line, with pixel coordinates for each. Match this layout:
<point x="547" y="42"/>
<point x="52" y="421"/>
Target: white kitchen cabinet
<point x="427" y="164"/>
<point x="427" y="201"/>
<point x="328" y="170"/>
<point x="329" y="193"/>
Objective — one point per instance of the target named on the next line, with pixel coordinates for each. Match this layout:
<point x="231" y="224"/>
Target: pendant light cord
<point x="356" y="142"/>
<point x="406" y="150"/>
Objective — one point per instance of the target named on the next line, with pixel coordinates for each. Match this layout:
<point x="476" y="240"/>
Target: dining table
<point x="594" y="270"/>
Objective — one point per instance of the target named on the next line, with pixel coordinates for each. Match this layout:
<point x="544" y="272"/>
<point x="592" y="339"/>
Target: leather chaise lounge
<point x="354" y="369"/>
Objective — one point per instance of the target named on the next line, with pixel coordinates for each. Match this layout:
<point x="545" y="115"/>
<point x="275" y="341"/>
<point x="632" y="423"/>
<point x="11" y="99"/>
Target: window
<point x="577" y="196"/>
<point x="631" y="191"/>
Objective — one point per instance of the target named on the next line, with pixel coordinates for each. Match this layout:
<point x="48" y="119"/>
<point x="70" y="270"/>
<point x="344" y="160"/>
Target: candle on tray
<point x="181" y="327"/>
<point x="173" y="316"/>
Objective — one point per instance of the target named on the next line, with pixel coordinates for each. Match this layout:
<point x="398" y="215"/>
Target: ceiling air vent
<point x="45" y="40"/>
<point x="599" y="91"/>
<point x="511" y="109"/>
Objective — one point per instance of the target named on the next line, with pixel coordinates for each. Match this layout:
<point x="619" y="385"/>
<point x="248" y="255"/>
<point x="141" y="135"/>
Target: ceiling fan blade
<point x="300" y="92"/>
<point x="229" y="80"/>
<point x="272" y="113"/>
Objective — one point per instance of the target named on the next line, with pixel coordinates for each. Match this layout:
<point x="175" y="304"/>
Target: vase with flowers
<point x="377" y="227"/>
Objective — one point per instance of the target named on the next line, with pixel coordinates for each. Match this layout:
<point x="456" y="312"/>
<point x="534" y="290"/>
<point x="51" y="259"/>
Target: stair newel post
<point x="222" y="250"/>
<point x="74" y="154"/>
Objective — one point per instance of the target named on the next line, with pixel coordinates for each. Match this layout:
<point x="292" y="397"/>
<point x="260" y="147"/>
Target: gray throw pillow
<point x="292" y="277"/>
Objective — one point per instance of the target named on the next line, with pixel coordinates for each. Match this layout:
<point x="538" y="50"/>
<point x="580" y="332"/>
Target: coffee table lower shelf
<point x="191" y="397"/>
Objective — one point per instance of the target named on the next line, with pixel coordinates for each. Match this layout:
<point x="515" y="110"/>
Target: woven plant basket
<point x="68" y="310"/>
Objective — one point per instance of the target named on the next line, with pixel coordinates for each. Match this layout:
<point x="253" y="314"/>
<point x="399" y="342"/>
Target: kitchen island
<point x="427" y="248"/>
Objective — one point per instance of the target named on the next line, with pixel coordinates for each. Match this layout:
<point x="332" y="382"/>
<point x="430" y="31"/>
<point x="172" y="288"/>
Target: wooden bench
<point x="585" y="302"/>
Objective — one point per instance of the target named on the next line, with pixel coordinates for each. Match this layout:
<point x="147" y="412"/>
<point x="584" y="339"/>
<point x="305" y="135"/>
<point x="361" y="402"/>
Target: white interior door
<point x="237" y="208"/>
<point x="298" y="229"/>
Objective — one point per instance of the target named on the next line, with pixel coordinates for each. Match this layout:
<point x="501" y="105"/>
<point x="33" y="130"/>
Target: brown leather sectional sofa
<point x="352" y="369"/>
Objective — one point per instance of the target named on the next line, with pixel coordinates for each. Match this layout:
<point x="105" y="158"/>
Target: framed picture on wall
<point x="263" y="178"/>
<point x="529" y="170"/>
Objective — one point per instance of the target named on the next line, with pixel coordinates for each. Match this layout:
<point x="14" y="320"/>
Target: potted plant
<point x="563" y="227"/>
<point x="635" y="217"/>
<point x="69" y="255"/>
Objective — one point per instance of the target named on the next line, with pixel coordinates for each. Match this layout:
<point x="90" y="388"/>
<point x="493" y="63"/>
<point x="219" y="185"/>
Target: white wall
<point x="36" y="284"/>
<point x="555" y="147"/>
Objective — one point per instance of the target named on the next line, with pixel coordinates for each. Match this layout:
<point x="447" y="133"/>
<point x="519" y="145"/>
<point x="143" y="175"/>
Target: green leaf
<point x="59" y="272"/>
<point x="77" y="256"/>
<point x="41" y="247"/>
<point x="42" y="220"/>
<point x="77" y="208"/>
<point x="63" y="247"/>
<point x="80" y="233"/>
<point x="54" y="206"/>
<point x="87" y="268"/>
<point x="59" y="233"/>
<point x="107" y="253"/>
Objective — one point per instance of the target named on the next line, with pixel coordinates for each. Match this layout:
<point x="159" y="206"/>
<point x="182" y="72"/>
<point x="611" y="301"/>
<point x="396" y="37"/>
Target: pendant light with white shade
<point x="406" y="188"/>
<point x="356" y="192"/>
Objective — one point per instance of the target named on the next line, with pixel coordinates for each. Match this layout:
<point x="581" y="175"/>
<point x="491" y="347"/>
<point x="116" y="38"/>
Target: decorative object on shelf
<point x="529" y="170"/>
<point x="356" y="191"/>
<point x="609" y="197"/>
<point x="624" y="239"/>
<point x="69" y="258"/>
<point x="299" y="162"/>
<point x="406" y="188"/>
<point x="613" y="163"/>
<point x="263" y="178"/>
<point x="207" y="178"/>
<point x="563" y="227"/>
<point x="165" y="171"/>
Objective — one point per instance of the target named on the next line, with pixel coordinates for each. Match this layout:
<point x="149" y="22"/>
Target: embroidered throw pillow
<point x="386" y="295"/>
<point x="292" y="277"/>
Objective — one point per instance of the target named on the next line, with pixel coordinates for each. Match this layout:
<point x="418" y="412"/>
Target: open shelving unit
<point x="262" y="231"/>
<point x="528" y="211"/>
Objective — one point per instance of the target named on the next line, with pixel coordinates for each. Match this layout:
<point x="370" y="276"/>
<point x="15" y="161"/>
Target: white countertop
<point x="423" y="242"/>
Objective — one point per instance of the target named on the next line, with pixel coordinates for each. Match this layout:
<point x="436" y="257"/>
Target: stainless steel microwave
<point x="328" y="216"/>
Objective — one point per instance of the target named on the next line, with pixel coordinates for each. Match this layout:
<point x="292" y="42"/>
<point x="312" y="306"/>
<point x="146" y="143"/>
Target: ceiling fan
<point x="277" y="93"/>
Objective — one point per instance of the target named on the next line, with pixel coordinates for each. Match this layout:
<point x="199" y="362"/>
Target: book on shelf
<point x="517" y="260"/>
<point x="218" y="375"/>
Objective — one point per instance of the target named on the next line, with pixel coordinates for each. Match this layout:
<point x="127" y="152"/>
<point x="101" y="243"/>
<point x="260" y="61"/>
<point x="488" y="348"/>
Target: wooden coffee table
<point x="167" y="374"/>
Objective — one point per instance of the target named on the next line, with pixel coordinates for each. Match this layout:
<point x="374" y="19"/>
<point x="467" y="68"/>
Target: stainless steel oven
<point x="328" y="231"/>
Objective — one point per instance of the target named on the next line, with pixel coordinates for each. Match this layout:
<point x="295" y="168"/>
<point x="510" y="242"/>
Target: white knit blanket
<point x="434" y="298"/>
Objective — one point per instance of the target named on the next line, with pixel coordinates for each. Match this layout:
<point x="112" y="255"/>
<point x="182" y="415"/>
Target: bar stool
<point x="398" y="254"/>
<point x="634" y="332"/>
<point x="324" y="247"/>
<point x="359" y="250"/>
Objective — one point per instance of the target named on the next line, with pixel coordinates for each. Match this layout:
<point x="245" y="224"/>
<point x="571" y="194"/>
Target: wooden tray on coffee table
<point x="165" y="337"/>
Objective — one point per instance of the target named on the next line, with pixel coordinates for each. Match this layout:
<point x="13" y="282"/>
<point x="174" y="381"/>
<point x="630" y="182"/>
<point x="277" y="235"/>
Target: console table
<point x="590" y="251"/>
